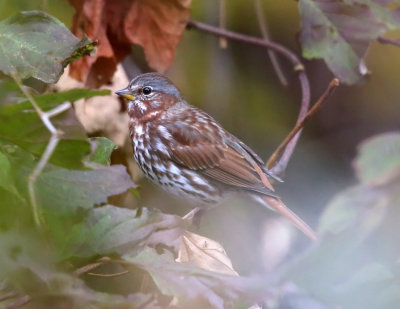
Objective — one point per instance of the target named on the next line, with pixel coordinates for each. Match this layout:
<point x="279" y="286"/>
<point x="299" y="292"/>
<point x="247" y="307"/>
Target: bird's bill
<point x="125" y="93"/>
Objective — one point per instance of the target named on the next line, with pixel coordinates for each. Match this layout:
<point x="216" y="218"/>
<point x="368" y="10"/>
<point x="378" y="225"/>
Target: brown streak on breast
<point x="150" y="116"/>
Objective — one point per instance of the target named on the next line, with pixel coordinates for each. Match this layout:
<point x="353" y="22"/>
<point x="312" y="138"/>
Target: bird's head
<point x="149" y="95"/>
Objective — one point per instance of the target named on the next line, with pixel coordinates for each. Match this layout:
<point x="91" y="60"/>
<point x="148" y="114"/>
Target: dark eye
<point x="147" y="90"/>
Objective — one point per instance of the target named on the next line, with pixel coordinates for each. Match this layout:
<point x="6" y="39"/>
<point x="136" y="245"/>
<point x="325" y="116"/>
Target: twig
<point x="223" y="43"/>
<point x="388" y="41"/>
<point x="279" y="167"/>
<point x="8" y="296"/>
<point x="109" y="275"/>
<point x="89" y="267"/>
<point x="51" y="146"/>
<point x="265" y="33"/>
<point x="19" y="302"/>
<point x="328" y="92"/>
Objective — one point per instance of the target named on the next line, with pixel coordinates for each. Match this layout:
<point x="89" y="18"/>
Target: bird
<point x="188" y="153"/>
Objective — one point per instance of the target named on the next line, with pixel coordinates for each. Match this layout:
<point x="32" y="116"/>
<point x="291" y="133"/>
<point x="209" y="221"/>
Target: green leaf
<point x="10" y="196"/>
<point x="6" y="180"/>
<point x="24" y="251"/>
<point x="369" y="273"/>
<point x="386" y="11"/>
<point x="35" y="44"/>
<point x="102" y="148"/>
<point x="27" y="265"/>
<point x="359" y="208"/>
<point x="50" y="100"/>
<point x="378" y="161"/>
<point x="9" y="91"/>
<point x="21" y="125"/>
<point x="109" y="229"/>
<point x="339" y="32"/>
<point x="12" y="204"/>
<point x="63" y="191"/>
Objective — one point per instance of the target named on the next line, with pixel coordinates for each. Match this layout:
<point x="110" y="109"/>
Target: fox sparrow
<point x="188" y="153"/>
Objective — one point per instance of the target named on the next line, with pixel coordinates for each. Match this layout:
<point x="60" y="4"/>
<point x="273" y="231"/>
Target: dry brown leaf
<point x="155" y="25"/>
<point x="205" y="253"/>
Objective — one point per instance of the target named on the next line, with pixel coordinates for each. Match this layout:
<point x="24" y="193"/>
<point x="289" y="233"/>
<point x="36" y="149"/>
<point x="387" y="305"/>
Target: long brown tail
<point x="280" y="207"/>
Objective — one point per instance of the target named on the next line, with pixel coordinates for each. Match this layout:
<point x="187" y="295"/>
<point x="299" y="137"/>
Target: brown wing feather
<point x="201" y="156"/>
<point x="217" y="160"/>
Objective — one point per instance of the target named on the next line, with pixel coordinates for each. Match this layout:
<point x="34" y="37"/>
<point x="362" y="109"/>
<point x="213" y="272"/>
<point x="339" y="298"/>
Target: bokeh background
<point x="239" y="88"/>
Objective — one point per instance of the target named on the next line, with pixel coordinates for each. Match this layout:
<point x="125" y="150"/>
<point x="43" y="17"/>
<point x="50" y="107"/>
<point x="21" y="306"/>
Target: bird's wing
<point x="214" y="153"/>
<point x="209" y="150"/>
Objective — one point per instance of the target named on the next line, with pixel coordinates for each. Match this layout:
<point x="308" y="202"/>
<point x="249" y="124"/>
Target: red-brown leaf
<point x="155" y="25"/>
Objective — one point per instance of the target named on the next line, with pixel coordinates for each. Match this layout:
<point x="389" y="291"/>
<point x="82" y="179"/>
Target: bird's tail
<point x="280" y="207"/>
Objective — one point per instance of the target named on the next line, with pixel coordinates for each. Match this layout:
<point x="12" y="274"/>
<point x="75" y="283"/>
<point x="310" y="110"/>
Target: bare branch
<point x="223" y="43"/>
<point x="89" y="267"/>
<point x="328" y="92"/>
<point x="388" y="41"/>
<point x="19" y="302"/>
<point x="265" y="33"/>
<point x="109" y="275"/>
<point x="297" y="66"/>
<point x="8" y="296"/>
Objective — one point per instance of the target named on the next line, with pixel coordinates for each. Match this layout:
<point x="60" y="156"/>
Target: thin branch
<point x="51" y="146"/>
<point x="89" y="267"/>
<point x="328" y="92"/>
<point x="8" y="296"/>
<point x="388" y="41"/>
<point x="223" y="43"/>
<point x="298" y="67"/>
<point x="23" y="300"/>
<point x="109" y="275"/>
<point x="265" y="33"/>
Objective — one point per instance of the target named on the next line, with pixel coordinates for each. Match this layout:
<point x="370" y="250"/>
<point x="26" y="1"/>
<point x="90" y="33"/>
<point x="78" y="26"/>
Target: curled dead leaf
<point x="205" y="253"/>
<point x="155" y="25"/>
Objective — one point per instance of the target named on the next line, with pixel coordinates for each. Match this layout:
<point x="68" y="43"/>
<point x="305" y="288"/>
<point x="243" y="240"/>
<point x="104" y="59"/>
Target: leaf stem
<point x="51" y="146"/>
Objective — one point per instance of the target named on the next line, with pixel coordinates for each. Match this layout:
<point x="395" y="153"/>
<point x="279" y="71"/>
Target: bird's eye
<point x="147" y="90"/>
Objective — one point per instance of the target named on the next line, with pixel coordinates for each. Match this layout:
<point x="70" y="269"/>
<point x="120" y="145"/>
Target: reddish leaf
<point x="155" y="25"/>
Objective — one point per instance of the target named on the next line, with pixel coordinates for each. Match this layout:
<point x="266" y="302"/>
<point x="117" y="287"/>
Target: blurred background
<point x="239" y="88"/>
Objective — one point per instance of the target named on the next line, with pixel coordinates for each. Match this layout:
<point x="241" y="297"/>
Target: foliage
<point x="157" y="260"/>
<point x="350" y="264"/>
<point x="156" y="27"/>
<point x="340" y="32"/>
<point x="34" y="44"/>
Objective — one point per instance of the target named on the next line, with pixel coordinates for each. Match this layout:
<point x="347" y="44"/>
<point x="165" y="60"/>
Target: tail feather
<point x="280" y="207"/>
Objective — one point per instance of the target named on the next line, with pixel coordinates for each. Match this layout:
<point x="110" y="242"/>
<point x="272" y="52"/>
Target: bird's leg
<point x="195" y="216"/>
<point x="191" y="214"/>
